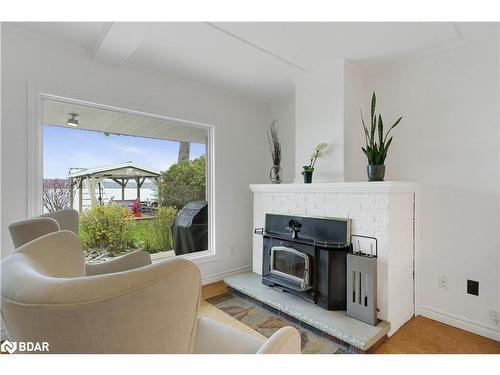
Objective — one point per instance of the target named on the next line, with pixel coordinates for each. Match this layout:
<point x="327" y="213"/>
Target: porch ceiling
<point x="102" y="120"/>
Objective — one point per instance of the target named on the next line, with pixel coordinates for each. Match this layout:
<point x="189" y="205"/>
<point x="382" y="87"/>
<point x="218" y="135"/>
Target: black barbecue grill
<point x="190" y="229"/>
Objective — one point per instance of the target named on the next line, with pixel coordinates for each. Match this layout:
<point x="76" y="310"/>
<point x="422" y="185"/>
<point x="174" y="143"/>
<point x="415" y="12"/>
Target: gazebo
<point x="119" y="173"/>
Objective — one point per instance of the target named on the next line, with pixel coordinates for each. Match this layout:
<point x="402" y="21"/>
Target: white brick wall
<point x="385" y="214"/>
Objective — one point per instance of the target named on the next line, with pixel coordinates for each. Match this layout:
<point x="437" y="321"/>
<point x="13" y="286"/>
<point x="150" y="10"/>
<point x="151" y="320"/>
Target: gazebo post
<point x="158" y="181"/>
<point x="138" y="184"/>
<point x="123" y="183"/>
<point x="71" y="193"/>
<point x="123" y="188"/>
<point x="80" y="195"/>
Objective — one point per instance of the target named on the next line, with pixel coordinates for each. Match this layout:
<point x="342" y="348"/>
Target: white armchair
<point x="27" y="230"/>
<point x="47" y="296"/>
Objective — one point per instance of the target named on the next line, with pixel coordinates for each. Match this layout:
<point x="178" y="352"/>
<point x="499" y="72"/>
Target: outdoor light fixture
<point x="73" y="121"/>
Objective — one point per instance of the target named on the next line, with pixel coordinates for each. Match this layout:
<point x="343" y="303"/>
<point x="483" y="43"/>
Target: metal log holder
<point x="362" y="283"/>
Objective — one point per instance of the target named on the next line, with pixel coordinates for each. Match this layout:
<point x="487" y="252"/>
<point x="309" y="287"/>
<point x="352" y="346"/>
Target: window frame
<point x="35" y="163"/>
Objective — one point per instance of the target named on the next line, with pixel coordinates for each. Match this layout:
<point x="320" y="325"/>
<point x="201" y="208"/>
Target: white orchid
<point x="318" y="151"/>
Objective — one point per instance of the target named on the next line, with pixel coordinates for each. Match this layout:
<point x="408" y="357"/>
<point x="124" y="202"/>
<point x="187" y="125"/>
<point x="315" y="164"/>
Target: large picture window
<point x="138" y="182"/>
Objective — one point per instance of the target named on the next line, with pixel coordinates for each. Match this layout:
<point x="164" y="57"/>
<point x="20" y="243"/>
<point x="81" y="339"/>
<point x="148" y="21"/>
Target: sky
<point x="65" y="148"/>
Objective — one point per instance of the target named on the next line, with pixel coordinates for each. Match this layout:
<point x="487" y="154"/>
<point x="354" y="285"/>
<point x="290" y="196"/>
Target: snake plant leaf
<point x="364" y="127"/>
<point x="387" y="146"/>
<point x="380" y="132"/>
<point x="373" y="119"/>
<point x="392" y="127"/>
<point x="372" y="132"/>
<point x="374" y="102"/>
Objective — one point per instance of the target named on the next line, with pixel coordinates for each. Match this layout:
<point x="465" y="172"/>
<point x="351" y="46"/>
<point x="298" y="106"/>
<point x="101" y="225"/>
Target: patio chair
<point x="27" y="230"/>
<point x="47" y="297"/>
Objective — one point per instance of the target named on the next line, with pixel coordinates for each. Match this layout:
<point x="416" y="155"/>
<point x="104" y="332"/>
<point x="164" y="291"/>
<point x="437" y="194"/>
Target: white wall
<point x="448" y="141"/>
<point x="319" y="108"/>
<point x="241" y="155"/>
<point x="356" y="98"/>
<point x="283" y="111"/>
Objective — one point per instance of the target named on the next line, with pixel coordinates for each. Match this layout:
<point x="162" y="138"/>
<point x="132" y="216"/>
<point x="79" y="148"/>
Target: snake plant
<point x="376" y="149"/>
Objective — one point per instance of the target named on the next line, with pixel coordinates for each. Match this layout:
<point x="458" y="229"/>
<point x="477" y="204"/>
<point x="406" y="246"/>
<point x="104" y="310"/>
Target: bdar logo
<point x="8" y="347"/>
<point x="24" y="346"/>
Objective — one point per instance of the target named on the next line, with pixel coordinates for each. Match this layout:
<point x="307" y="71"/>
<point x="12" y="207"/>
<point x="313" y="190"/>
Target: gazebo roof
<point x="126" y="170"/>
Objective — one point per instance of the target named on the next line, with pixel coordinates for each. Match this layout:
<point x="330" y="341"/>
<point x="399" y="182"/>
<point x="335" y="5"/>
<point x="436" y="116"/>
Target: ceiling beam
<point x="119" y="41"/>
<point x="458" y="30"/>
<point x="267" y="52"/>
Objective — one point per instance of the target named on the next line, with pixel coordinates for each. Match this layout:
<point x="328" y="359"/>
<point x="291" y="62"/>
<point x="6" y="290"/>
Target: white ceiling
<point x="256" y="59"/>
<point x="82" y="34"/>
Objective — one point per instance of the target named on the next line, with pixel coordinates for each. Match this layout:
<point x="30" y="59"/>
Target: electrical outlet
<point x="443" y="281"/>
<point x="473" y="287"/>
<point x="495" y="315"/>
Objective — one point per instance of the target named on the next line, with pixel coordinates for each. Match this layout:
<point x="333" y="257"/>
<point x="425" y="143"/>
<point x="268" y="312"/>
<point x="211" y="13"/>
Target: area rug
<point x="266" y="323"/>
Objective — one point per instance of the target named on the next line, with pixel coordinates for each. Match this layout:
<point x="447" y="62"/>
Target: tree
<point x="182" y="183"/>
<point x="56" y="194"/>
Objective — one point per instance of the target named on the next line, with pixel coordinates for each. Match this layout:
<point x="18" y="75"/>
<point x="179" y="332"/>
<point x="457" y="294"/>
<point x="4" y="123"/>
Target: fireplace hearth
<point x="307" y="256"/>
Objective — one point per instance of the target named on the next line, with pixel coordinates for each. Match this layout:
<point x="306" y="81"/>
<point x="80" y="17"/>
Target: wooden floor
<point x="418" y="336"/>
<point x="426" y="336"/>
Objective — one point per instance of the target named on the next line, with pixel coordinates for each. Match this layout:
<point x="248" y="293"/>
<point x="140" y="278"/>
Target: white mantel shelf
<point x="339" y="187"/>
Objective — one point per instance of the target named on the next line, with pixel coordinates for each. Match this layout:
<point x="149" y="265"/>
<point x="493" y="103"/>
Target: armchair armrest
<point x="126" y="262"/>
<point x="213" y="337"/>
<point x="284" y="341"/>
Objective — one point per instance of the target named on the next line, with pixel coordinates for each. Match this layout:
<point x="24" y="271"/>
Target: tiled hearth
<point x="385" y="210"/>
<point x="354" y="336"/>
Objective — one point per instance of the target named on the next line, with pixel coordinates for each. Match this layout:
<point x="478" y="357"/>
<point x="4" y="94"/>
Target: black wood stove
<point x="306" y="256"/>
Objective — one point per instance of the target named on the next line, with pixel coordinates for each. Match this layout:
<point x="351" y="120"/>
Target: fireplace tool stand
<point x="362" y="283"/>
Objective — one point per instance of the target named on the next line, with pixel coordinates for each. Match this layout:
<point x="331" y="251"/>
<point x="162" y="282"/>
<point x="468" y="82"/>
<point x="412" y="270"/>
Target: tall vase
<point x="275" y="174"/>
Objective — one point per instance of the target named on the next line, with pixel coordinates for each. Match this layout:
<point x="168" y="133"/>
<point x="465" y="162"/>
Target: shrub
<point x="108" y="228"/>
<point x="183" y="182"/>
<point x="155" y="236"/>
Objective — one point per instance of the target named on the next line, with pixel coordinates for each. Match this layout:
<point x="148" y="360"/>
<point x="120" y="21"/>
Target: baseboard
<point x="460" y="322"/>
<point x="221" y="275"/>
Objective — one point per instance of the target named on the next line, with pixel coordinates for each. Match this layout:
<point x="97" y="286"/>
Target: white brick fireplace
<point x="385" y="210"/>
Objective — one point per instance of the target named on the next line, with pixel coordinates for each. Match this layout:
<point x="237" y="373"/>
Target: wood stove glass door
<point x="291" y="264"/>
